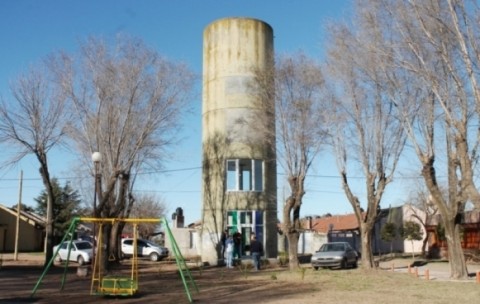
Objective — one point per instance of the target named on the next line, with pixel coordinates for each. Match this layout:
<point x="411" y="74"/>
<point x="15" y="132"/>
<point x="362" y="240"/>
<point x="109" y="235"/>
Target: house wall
<point x="30" y="238"/>
<point x="350" y="236"/>
<point x="188" y="241"/>
<point x="398" y="215"/>
<point x="409" y="213"/>
<point x="471" y="236"/>
<point x="310" y="241"/>
<point x="395" y="215"/>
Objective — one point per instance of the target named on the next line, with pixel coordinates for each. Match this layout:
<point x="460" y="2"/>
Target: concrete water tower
<point x="239" y="165"/>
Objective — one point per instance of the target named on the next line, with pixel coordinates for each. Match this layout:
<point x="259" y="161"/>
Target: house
<point x="186" y="238"/>
<point x="345" y="228"/>
<point x="31" y="230"/>
<point x="337" y="228"/>
<point x="470" y="235"/>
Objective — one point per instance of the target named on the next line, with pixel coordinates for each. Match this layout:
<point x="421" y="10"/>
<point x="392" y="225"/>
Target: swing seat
<point x="118" y="286"/>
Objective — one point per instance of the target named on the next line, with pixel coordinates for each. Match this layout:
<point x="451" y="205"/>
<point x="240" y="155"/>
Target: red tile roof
<point x="336" y="222"/>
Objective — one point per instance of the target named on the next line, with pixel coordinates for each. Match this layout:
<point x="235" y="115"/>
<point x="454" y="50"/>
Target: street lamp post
<point x="96" y="158"/>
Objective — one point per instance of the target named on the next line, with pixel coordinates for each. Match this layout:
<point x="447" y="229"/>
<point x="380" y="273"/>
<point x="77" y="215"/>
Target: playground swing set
<point x="117" y="285"/>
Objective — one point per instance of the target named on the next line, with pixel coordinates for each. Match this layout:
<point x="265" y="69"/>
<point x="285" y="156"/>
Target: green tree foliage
<point x="411" y="231"/>
<point x="67" y="204"/>
<point x="388" y="233"/>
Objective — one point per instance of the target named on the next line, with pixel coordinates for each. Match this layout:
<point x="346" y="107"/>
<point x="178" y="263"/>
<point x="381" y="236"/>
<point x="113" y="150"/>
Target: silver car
<point x="144" y="249"/>
<point x="80" y="252"/>
<point x="336" y="254"/>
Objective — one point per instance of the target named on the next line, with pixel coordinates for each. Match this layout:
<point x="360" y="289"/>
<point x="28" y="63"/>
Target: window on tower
<point x="244" y="175"/>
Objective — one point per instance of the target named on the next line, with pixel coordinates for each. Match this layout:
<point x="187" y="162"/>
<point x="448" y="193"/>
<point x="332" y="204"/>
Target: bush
<point x="283" y="258"/>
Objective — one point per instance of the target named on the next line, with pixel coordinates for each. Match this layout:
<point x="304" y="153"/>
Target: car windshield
<point x="140" y="243"/>
<point x="151" y="243"/>
<point x="83" y="245"/>
<point x="332" y="247"/>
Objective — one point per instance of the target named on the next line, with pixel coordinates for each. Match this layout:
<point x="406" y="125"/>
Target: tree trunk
<point x="50" y="202"/>
<point x="293" y="249"/>
<point x="115" y="250"/>
<point x="291" y="218"/>
<point x="456" y="258"/>
<point x="424" y="245"/>
<point x="366" y="239"/>
<point x="105" y="263"/>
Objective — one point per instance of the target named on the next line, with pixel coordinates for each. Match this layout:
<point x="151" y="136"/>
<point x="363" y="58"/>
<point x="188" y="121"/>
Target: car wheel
<point x="80" y="260"/>
<point x="316" y="267"/>
<point x="154" y="256"/>
<point x="344" y="264"/>
<point x="355" y="264"/>
<point x="58" y="258"/>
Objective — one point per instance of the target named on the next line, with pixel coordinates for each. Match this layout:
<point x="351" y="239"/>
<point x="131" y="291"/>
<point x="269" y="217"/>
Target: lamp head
<point x="96" y="157"/>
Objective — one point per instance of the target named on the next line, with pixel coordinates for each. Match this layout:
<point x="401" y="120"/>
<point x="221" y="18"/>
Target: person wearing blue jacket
<point x="256" y="250"/>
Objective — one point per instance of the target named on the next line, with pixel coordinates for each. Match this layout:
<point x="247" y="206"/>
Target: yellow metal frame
<point x="120" y="286"/>
<point x="113" y="285"/>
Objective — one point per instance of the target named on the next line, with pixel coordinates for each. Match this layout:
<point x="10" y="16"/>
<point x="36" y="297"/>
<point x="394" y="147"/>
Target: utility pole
<point x="19" y="205"/>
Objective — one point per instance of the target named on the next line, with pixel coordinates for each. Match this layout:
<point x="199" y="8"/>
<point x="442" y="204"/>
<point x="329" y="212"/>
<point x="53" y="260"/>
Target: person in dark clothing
<point x="256" y="250"/>
<point x="237" y="240"/>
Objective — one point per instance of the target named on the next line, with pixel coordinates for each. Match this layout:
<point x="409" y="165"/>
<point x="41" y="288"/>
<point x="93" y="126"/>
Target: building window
<point x="244" y="175"/>
<point x="247" y="222"/>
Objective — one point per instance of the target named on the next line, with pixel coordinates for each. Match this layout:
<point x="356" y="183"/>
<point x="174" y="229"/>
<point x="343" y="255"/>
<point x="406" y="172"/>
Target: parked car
<point x="144" y="249"/>
<point x="80" y="252"/>
<point x="87" y="238"/>
<point x="335" y="254"/>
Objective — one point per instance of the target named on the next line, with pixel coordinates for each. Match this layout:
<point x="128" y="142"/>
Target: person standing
<point x="256" y="250"/>
<point x="229" y="251"/>
<point x="223" y="240"/>
<point x="237" y="242"/>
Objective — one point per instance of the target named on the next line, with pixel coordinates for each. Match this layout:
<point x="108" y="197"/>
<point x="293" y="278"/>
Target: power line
<point x="82" y="177"/>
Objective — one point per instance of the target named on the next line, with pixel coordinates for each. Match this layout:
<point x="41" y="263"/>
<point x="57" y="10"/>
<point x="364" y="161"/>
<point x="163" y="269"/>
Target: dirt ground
<point x="158" y="283"/>
<point x="161" y="283"/>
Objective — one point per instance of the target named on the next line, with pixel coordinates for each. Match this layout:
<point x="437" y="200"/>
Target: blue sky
<point x="31" y="29"/>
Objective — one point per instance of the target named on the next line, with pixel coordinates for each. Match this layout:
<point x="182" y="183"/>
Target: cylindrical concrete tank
<point x="239" y="166"/>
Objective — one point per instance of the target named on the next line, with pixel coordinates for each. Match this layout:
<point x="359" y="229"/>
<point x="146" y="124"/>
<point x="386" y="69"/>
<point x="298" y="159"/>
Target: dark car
<point x="336" y="254"/>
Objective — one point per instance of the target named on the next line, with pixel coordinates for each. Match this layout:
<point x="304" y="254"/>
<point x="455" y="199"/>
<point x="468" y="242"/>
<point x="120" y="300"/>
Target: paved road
<point x="436" y="270"/>
<point x="433" y="270"/>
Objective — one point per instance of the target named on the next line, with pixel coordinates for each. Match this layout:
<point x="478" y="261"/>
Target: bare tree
<point x="128" y="102"/>
<point x="436" y="53"/>
<point x="296" y="85"/>
<point x="215" y="200"/>
<point x="33" y="122"/>
<point x="148" y="206"/>
<point x="364" y="129"/>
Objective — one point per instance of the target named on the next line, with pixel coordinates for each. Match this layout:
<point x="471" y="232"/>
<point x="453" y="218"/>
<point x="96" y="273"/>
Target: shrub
<point x="283" y="258"/>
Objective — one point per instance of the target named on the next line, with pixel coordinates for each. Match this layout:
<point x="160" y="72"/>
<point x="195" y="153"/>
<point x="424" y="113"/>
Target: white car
<point x="81" y="252"/>
<point x="144" y="249"/>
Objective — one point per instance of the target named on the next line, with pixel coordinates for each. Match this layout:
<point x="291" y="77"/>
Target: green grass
<point x="378" y="286"/>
